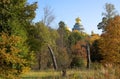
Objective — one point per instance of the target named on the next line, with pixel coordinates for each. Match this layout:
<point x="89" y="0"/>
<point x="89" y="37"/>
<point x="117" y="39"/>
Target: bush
<point x="77" y="62"/>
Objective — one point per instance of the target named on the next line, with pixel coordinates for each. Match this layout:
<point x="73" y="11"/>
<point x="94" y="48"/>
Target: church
<point x="78" y="26"/>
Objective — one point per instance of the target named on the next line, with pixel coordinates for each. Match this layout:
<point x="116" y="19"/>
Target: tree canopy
<point x="109" y="43"/>
<point x="15" y="17"/>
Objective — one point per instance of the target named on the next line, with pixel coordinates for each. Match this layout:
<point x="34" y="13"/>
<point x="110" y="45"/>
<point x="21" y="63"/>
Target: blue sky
<point x="89" y="12"/>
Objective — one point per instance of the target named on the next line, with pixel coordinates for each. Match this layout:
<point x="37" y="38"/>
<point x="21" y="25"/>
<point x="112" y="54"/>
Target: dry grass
<point x="102" y="73"/>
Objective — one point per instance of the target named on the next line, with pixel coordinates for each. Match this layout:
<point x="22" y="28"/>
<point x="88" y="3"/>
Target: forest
<point x="28" y="47"/>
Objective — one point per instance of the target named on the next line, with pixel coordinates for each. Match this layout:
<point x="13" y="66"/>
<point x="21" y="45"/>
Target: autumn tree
<point x="79" y="55"/>
<point x="11" y="60"/>
<point x="109" y="44"/>
<point x="15" y="17"/>
<point x="76" y="40"/>
<point x="109" y="13"/>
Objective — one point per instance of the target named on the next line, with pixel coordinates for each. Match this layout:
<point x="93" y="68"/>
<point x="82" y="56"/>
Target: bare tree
<point x="48" y="17"/>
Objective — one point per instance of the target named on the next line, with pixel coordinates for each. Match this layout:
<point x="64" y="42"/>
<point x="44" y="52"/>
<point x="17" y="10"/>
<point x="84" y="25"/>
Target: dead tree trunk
<point x="88" y="55"/>
<point x="53" y="58"/>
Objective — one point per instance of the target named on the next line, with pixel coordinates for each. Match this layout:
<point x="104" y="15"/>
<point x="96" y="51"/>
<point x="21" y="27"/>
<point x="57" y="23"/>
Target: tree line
<point x="24" y="44"/>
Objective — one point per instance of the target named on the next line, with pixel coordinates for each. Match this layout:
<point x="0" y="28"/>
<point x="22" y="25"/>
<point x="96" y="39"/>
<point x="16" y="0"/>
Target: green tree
<point x="62" y="46"/>
<point x="17" y="10"/>
<point x="110" y="13"/>
<point x="63" y="33"/>
<point x="15" y="17"/>
<point x="41" y="36"/>
<point x="75" y="37"/>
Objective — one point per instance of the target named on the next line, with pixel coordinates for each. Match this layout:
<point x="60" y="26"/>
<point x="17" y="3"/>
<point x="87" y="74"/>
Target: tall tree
<point x="43" y="38"/>
<point x="62" y="31"/>
<point x="110" y="13"/>
<point x="15" y="17"/>
<point x="109" y="43"/>
<point x="40" y="37"/>
<point x="64" y="34"/>
<point x="62" y="46"/>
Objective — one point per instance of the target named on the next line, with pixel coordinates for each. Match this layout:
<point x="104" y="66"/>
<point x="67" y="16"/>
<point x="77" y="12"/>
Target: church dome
<point x="78" y="20"/>
<point x="78" y="25"/>
<point x="68" y="28"/>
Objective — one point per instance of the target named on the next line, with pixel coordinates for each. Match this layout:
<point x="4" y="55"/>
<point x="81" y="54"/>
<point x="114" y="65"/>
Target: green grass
<point x="41" y="73"/>
<point x="51" y="73"/>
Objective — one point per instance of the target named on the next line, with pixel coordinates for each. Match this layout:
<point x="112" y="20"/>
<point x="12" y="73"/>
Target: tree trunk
<point x="53" y="58"/>
<point x="88" y="56"/>
<point x="39" y="61"/>
<point x="64" y="72"/>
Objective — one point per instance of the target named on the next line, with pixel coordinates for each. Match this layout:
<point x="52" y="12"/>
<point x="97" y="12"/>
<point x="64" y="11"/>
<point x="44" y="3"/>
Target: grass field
<point x="73" y="74"/>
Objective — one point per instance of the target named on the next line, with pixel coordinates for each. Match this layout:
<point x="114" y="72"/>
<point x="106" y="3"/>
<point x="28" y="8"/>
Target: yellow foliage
<point x="9" y="56"/>
<point x="94" y="37"/>
<point x="25" y="69"/>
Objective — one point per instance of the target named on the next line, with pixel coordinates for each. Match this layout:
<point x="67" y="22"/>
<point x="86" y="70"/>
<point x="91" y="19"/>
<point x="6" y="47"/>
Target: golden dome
<point x="68" y="28"/>
<point x="78" y="20"/>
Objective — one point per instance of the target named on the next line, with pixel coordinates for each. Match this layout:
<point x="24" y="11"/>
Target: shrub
<point x="77" y="62"/>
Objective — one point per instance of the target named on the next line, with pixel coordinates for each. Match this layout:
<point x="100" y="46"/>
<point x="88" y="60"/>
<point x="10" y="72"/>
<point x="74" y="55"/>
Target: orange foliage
<point x="78" y="50"/>
<point x="110" y="42"/>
